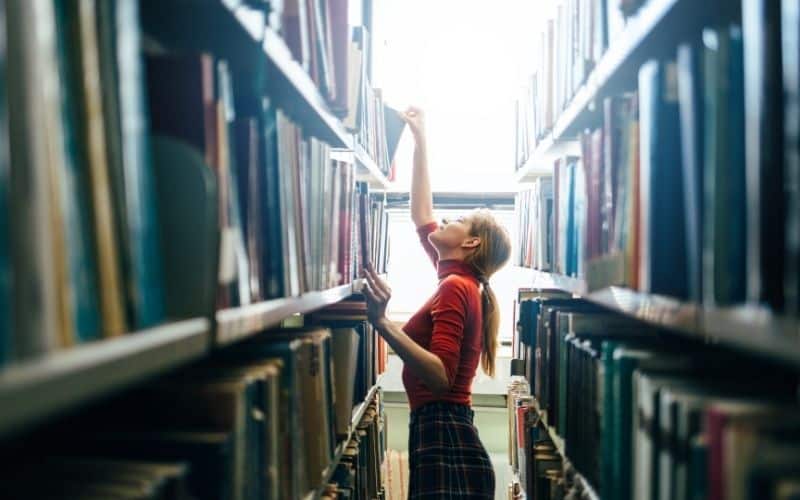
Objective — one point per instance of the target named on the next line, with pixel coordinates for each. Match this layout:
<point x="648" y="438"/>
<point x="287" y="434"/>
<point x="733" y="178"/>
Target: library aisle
<point x="191" y="191"/>
<point x="658" y="344"/>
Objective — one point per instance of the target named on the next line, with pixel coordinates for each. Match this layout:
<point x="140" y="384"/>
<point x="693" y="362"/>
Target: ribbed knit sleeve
<point x="449" y="314"/>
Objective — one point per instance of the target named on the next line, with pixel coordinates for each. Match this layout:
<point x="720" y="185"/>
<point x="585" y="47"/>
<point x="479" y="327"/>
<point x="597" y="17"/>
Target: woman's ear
<point x="471" y="242"/>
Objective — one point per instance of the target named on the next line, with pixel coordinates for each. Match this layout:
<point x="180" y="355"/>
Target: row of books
<point x="318" y="36"/>
<point x="262" y="419"/>
<point x="86" y="227"/>
<point x="359" y="474"/>
<point x="571" y="42"/>
<point x="290" y="215"/>
<point x="551" y="217"/>
<point x="337" y="57"/>
<point x="79" y="234"/>
<point x="685" y="171"/>
<point x="645" y="415"/>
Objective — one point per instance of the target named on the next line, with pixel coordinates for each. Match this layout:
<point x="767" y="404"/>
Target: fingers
<point x="377" y="283"/>
<point x="376" y="292"/>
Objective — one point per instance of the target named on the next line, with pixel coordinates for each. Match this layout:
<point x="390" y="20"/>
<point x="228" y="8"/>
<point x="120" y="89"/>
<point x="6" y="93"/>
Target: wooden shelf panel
<point x="366" y="168"/>
<point x="754" y="330"/>
<point x="34" y="390"/>
<point x="652" y="32"/>
<point x="540" y="163"/>
<point x="238" y="323"/>
<point x="542" y="279"/>
<point x="291" y="86"/>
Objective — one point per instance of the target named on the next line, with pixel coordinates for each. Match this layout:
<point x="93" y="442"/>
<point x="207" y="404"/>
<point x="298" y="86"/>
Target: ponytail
<point x="491" y="326"/>
<point x="492" y="253"/>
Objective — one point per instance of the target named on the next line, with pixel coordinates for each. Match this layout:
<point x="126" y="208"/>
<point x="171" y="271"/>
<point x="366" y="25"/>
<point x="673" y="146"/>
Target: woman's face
<point x="452" y="234"/>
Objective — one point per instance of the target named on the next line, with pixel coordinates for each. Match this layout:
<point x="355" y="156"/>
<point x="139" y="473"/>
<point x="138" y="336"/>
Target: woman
<point x="443" y="342"/>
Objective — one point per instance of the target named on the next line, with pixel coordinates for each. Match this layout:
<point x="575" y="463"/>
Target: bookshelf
<point x="367" y="169"/>
<point x="653" y="25"/>
<point x="540" y="163"/>
<point x="750" y="329"/>
<point x="238" y="323"/>
<point x="358" y="414"/>
<point x="585" y="487"/>
<point x="30" y="392"/>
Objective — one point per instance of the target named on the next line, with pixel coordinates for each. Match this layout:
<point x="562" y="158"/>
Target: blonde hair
<point x="489" y="256"/>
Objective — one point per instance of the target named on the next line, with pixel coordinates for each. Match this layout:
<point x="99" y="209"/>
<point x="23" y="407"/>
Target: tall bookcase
<point x="38" y="390"/>
<point x="567" y="124"/>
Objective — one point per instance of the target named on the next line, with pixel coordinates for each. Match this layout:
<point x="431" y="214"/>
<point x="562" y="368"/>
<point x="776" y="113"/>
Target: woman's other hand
<point x="377" y="293"/>
<point x="415" y="118"/>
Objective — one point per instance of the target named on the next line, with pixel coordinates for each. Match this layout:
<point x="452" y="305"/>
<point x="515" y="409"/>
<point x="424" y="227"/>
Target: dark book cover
<point x="690" y="94"/>
<point x="764" y="149"/>
<point x="664" y="255"/>
<point x="272" y="270"/>
<point x="395" y="126"/>
<point x="6" y="266"/>
<point x="790" y="33"/>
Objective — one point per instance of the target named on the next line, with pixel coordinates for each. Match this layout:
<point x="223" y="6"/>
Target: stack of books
<point x="260" y="420"/>
<point x="640" y="414"/>
<point x="79" y="231"/>
<point x="684" y="170"/>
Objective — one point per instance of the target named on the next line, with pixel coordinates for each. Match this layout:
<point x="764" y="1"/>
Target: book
<point x="84" y="28"/>
<point x="130" y="168"/>
<point x="790" y="40"/>
<point x="761" y="38"/>
<point x="6" y="283"/>
<point x="79" y="241"/>
<point x="33" y="107"/>
<point x="690" y="95"/>
<point x="661" y="184"/>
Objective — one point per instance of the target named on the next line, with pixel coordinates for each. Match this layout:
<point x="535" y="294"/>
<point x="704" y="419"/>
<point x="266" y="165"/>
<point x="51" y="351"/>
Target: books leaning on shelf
<point x="289" y="214"/>
<point x="258" y="420"/>
<point x="360" y="473"/>
<point x="552" y="217"/>
<point x="689" y="193"/>
<point x="571" y="41"/>
<point x="80" y="256"/>
<point x="644" y="415"/>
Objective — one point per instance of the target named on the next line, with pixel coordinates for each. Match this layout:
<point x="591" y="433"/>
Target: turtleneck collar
<point x="454" y="266"/>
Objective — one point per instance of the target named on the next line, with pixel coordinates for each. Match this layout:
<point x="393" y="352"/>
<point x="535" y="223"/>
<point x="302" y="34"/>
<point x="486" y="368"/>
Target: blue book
<point x="571" y="235"/>
<point x="663" y="256"/>
<point x="74" y="191"/>
<point x="130" y="165"/>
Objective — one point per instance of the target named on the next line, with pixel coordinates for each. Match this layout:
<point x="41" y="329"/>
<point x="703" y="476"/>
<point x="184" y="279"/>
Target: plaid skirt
<point x="446" y="458"/>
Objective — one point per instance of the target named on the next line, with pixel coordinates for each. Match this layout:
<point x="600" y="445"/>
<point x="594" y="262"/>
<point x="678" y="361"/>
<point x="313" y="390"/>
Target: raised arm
<point x="421" y="198"/>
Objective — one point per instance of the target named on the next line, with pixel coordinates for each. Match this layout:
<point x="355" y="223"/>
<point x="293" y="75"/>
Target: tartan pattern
<point x="446" y="457"/>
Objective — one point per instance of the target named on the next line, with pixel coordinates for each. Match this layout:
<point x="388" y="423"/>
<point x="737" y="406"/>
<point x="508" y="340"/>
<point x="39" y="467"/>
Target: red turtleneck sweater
<point x="449" y="325"/>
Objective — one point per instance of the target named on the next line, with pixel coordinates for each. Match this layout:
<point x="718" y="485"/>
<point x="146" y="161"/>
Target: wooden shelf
<point x="750" y="329"/>
<point x="652" y="32"/>
<point x="541" y="279"/>
<point x="290" y="85"/>
<point x="366" y="168"/>
<point x="238" y="323"/>
<point x="358" y="414"/>
<point x="540" y="163"/>
<point x="32" y="391"/>
<point x="754" y="330"/>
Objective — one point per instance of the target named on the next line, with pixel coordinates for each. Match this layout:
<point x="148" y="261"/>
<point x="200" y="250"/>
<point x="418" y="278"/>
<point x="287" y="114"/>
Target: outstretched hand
<point x="377" y="293"/>
<point x="415" y="118"/>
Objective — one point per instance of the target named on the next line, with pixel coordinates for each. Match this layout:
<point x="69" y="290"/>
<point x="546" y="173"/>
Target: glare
<point x="463" y="62"/>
